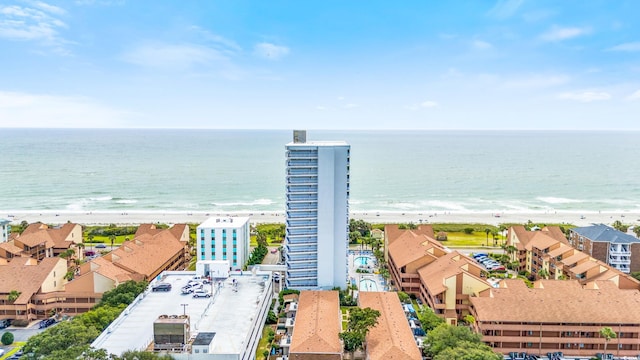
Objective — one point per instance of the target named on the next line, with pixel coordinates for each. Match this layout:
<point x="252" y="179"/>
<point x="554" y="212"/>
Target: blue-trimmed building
<point x="619" y="250"/>
<point x="224" y="238"/>
<point x="5" y="229"/>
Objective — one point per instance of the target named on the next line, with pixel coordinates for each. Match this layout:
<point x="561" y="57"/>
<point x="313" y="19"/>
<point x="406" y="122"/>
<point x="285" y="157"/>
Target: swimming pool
<point x="363" y="260"/>
<point x="368" y="285"/>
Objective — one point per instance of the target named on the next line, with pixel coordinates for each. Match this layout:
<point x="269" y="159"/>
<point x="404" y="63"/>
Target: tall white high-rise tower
<point x="317" y="213"/>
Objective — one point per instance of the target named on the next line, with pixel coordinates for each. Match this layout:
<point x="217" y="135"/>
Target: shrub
<point x="7" y="338"/>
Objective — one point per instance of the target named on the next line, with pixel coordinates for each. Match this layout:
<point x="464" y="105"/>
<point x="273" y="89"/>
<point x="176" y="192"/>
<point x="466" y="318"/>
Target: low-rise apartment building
<point x="315" y="333"/>
<point x="421" y="266"/>
<point x="407" y="253"/>
<point x="39" y="241"/>
<point x="447" y="284"/>
<point x="557" y="316"/>
<point x="547" y="256"/>
<point x="615" y="248"/>
<point x="391" y="338"/>
<point x="32" y="289"/>
<point x="393" y="231"/>
<point x="151" y="252"/>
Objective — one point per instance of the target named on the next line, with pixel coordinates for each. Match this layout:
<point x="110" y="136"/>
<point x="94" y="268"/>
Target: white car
<point x="201" y="293"/>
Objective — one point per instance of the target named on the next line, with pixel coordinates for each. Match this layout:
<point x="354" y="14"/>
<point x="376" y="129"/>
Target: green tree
<point x="487" y="231"/>
<point x="112" y="238"/>
<point x="636" y="275"/>
<point x="7" y="338"/>
<point x="361" y="226"/>
<point x="354" y="236"/>
<point x="636" y="230"/>
<point x="618" y="225"/>
<point x="428" y="318"/>
<point x="607" y="333"/>
<point x="271" y="318"/>
<point x="446" y="336"/>
<point x="469" y="319"/>
<point x="466" y="350"/>
<point x="124" y="294"/>
<point x="404" y="297"/>
<point x="544" y="274"/>
<point x="261" y="239"/>
<point x="143" y="355"/>
<point x="67" y="254"/>
<point x="352" y="341"/>
<point x="361" y="320"/>
<point x="65" y="338"/>
<point x="13" y="295"/>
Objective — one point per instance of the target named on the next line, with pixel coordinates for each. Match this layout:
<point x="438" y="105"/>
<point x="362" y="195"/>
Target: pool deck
<point x="357" y="278"/>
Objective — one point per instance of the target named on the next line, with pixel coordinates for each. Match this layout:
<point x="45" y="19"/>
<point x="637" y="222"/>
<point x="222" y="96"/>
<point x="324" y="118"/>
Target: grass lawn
<point x="263" y="344"/>
<point x="105" y="239"/>
<point x="475" y="239"/>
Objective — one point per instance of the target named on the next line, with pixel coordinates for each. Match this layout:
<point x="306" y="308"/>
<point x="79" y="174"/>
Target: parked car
<point x="4" y="323"/>
<point x="101" y="246"/>
<point x="201" y="293"/>
<point x="477" y="255"/>
<point x="161" y="287"/>
<point x="46" y="323"/>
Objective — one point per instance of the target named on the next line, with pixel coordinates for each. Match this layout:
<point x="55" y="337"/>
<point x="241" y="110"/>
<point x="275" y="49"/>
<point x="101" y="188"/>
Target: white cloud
<point x="481" y="45"/>
<point x="557" y="33"/>
<point x="36" y="110"/>
<point x="505" y="8"/>
<point x="47" y="7"/>
<point x="536" y="81"/>
<point x="270" y="51"/>
<point x="220" y="42"/>
<point x="172" y="56"/>
<point x="630" y="47"/>
<point x="38" y="22"/>
<point x="585" y="96"/>
<point x="351" y="106"/>
<point x="423" y="105"/>
<point x="635" y="96"/>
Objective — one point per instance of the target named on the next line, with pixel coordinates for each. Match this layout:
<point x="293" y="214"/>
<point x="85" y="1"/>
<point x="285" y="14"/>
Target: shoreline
<point x="124" y="217"/>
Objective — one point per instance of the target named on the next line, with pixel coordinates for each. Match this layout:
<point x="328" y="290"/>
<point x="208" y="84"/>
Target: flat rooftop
<point x="319" y="143"/>
<point x="228" y="313"/>
<point x="225" y="222"/>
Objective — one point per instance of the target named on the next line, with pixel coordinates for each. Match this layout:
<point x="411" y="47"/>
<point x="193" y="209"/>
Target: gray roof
<point x="204" y="338"/>
<point x="604" y="233"/>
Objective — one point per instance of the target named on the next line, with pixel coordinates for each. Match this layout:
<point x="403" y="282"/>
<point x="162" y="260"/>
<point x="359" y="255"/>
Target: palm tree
<point x="487" y="231"/>
<point x="469" y="319"/>
<point x="113" y="239"/>
<point x="13" y="295"/>
<point x="544" y="273"/>
<point x="607" y="333"/>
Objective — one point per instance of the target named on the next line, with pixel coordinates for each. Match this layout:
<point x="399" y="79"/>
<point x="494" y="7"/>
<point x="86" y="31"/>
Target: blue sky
<point x="507" y="64"/>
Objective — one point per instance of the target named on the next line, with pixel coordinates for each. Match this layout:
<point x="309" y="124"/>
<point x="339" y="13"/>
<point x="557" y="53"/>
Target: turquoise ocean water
<point x="243" y="170"/>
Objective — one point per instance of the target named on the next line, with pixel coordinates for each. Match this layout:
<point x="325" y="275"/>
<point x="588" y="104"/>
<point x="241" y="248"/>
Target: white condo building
<point x="224" y="238"/>
<point x="317" y="213"/>
<point x="5" y="229"/>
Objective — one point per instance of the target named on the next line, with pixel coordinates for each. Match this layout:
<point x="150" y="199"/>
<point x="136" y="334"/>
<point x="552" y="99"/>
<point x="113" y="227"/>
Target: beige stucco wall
<point x="55" y="279"/>
<point x="75" y="235"/>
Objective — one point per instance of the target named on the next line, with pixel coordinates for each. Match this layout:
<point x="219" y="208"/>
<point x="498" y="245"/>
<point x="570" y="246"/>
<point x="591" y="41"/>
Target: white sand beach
<point x="139" y="217"/>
